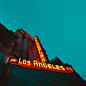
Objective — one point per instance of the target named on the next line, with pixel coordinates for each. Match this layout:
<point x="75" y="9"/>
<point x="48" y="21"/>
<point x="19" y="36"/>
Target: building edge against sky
<point x="22" y="45"/>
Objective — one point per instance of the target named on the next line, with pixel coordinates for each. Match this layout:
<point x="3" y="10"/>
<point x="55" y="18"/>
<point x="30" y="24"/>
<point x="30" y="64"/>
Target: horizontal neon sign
<point x="39" y="65"/>
<point x="41" y="54"/>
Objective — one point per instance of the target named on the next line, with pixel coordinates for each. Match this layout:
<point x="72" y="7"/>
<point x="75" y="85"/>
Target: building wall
<point x="19" y="76"/>
<point x="32" y="51"/>
<point x="20" y="44"/>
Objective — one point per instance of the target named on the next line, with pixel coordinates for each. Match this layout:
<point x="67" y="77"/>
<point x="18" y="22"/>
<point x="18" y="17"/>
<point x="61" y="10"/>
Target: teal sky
<point x="59" y="24"/>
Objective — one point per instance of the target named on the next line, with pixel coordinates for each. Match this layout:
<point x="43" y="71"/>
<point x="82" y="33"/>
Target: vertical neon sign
<point x="41" y="54"/>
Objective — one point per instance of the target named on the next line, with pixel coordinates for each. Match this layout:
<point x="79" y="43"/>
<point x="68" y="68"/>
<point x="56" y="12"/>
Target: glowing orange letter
<point x="57" y="66"/>
<point x="19" y="61"/>
<point x="28" y="62"/>
<point x="24" y="61"/>
<point x="35" y="63"/>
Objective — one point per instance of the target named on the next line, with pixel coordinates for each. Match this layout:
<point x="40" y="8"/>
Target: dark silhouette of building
<point x="22" y="45"/>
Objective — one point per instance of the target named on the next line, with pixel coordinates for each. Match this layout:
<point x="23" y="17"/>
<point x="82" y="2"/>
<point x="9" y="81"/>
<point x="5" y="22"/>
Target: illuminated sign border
<point x="39" y="65"/>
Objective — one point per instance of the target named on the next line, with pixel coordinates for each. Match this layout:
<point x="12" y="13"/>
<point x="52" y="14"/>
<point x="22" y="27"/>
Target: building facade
<point x="24" y="62"/>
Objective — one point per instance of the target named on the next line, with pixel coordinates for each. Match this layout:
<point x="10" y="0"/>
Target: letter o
<point x="37" y="43"/>
<point x="24" y="61"/>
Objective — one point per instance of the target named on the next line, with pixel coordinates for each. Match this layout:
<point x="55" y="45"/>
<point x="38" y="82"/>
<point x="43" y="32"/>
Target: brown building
<point x="24" y="62"/>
